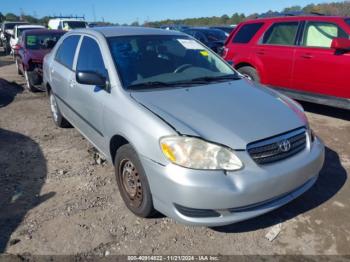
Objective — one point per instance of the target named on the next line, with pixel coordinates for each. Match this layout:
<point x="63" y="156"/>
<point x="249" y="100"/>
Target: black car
<point x="226" y="29"/>
<point x="212" y="38"/>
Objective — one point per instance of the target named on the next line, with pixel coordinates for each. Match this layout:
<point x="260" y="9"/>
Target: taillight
<point x="224" y="52"/>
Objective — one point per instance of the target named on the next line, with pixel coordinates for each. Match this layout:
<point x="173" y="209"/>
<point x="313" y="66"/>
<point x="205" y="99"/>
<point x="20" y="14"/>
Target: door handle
<point x="261" y="52"/>
<point x="307" y="56"/>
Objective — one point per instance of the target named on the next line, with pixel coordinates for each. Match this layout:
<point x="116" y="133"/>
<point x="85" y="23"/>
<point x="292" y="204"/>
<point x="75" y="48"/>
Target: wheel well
<point x="242" y="65"/>
<point x="48" y="88"/>
<point x="116" y="142"/>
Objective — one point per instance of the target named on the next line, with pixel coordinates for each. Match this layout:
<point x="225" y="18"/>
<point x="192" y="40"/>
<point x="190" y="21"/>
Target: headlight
<point x="198" y="154"/>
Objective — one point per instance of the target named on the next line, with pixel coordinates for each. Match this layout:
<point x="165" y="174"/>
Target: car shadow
<point x="8" y="92"/>
<point x="331" y="179"/>
<point x="22" y="174"/>
<point x="326" y="110"/>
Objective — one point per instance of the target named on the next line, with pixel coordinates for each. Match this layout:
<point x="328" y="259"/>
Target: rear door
<point x="62" y="73"/>
<point x="87" y="101"/>
<point x="318" y="68"/>
<point x="275" y="53"/>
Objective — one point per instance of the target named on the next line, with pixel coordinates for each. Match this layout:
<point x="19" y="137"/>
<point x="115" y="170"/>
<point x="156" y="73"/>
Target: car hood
<point x="38" y="54"/>
<point x="231" y="113"/>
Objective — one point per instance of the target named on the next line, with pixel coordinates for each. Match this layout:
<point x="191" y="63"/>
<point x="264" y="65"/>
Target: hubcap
<point x="131" y="182"/>
<point x="54" y="108"/>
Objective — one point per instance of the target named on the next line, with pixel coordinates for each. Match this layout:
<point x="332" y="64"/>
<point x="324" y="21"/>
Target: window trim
<point x="75" y="54"/>
<point x="317" y="21"/>
<point x="296" y="38"/>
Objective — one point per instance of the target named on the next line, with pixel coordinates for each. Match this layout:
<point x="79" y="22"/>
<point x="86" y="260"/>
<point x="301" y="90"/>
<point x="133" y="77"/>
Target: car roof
<point x="110" y="31"/>
<point x="296" y="17"/>
<point x="30" y="26"/>
<point x="43" y="31"/>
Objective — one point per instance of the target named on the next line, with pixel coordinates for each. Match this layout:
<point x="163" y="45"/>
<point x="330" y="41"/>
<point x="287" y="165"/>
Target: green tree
<point x="11" y="17"/>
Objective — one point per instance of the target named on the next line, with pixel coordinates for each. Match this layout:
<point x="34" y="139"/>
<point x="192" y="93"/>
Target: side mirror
<point x="91" y="78"/>
<point x="341" y="44"/>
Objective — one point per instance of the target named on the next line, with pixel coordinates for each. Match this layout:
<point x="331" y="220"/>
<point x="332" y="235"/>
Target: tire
<point x="17" y="67"/>
<point x="250" y="73"/>
<point x="132" y="182"/>
<point x="29" y="81"/>
<point x="57" y="117"/>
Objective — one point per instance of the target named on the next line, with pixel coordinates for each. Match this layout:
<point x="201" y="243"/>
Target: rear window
<point x="281" y="34"/>
<point x="246" y="33"/>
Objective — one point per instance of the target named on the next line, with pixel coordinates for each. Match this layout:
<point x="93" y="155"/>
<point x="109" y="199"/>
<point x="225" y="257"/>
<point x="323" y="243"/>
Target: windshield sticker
<point x="190" y="44"/>
<point x="204" y="53"/>
<point x="31" y="40"/>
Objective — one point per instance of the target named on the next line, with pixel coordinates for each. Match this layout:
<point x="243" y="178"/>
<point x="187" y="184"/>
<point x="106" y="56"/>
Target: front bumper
<point x="234" y="196"/>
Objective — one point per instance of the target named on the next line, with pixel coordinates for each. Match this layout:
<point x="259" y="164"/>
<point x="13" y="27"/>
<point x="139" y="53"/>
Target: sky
<point x="127" y="11"/>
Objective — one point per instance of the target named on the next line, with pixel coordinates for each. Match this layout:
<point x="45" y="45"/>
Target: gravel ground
<point x="56" y="199"/>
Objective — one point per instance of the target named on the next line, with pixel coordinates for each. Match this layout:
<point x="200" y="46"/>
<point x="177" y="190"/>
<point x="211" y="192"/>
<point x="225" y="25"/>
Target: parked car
<point x="212" y="38"/>
<point x="226" y="29"/>
<point x="17" y="31"/>
<point x="306" y="57"/>
<point x="7" y="32"/>
<point x="180" y="28"/>
<point x="67" y="23"/>
<point x="32" y="47"/>
<point x="188" y="135"/>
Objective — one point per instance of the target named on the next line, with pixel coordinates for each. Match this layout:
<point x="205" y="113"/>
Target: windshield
<point x="42" y="41"/>
<point x="162" y="60"/>
<point x="67" y="25"/>
<point x="215" y="35"/>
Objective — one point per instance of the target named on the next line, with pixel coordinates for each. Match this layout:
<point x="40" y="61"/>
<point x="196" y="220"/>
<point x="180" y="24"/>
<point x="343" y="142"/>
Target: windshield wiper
<point x="216" y="78"/>
<point x="154" y="84"/>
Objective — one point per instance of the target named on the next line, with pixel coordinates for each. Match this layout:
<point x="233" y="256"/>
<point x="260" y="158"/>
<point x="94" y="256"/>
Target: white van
<point x="65" y="23"/>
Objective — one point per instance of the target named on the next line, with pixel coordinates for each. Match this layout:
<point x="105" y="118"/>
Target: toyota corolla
<point x="188" y="135"/>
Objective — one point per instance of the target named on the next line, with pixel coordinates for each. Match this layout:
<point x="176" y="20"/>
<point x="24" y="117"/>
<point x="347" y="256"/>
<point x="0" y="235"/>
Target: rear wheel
<point x="58" y="118"/>
<point x="132" y="182"/>
<point x="17" y="67"/>
<point x="29" y="81"/>
<point x="250" y="73"/>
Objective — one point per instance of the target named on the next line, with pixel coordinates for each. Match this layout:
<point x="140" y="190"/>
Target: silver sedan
<point x="188" y="135"/>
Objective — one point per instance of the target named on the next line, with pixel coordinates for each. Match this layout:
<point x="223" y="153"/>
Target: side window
<point x="281" y="34"/>
<point x="66" y="51"/>
<point x="90" y="57"/>
<point x="321" y="34"/>
<point x="246" y="33"/>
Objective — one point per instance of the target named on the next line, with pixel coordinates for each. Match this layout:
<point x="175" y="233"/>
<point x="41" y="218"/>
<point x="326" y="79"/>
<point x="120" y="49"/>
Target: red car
<point x="307" y="57"/>
<point x="32" y="46"/>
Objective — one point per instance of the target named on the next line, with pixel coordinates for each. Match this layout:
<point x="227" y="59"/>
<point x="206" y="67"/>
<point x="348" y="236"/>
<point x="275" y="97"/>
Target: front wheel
<point x="132" y="182"/>
<point x="29" y="81"/>
<point x="250" y="73"/>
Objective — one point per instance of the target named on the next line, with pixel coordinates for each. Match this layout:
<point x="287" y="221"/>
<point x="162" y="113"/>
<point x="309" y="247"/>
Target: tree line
<point x="334" y="8"/>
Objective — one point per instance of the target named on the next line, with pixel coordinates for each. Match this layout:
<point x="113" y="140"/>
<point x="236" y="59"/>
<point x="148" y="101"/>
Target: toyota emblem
<point x="284" y="146"/>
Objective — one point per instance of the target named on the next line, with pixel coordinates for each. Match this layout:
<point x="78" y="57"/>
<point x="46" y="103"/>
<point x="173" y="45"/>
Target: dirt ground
<point x="55" y="198"/>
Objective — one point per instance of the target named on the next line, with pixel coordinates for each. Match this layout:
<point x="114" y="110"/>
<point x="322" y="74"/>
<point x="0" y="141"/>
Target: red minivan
<point x="307" y="57"/>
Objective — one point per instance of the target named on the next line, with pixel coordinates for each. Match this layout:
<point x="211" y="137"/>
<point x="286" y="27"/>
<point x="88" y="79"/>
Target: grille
<point x="278" y="148"/>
